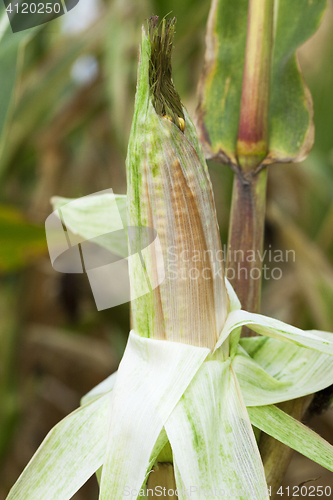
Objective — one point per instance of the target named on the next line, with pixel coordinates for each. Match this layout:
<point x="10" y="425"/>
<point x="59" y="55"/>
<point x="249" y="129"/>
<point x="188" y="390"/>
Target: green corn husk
<point x="169" y="190"/>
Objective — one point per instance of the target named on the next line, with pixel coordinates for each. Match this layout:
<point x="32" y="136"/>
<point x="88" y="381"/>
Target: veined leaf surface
<point x="72" y="451"/>
<point x="290" y="127"/>
<point x="271" y="371"/>
<point x="213" y="444"/>
<point x="289" y="431"/>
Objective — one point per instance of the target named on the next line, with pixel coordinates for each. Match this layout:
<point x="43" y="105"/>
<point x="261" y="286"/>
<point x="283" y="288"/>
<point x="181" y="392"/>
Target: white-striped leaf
<point x="69" y="455"/>
<point x="271" y="371"/>
<point x="152" y="377"/>
<point x="277" y="329"/>
<point x="213" y="444"/>
<point x="289" y="431"/>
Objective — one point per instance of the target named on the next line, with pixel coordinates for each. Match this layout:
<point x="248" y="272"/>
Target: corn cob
<point x="169" y="190"/>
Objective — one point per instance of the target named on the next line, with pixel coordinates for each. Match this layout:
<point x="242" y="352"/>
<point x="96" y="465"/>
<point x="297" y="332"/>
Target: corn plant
<point x="184" y="408"/>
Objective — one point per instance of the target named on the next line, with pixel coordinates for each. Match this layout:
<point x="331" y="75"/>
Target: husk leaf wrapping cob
<point x="169" y="190"/>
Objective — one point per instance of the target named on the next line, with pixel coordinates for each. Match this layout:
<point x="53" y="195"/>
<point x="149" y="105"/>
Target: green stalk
<point x="246" y="234"/>
<point x="252" y="144"/>
<point x="247" y="217"/>
<point x="246" y="227"/>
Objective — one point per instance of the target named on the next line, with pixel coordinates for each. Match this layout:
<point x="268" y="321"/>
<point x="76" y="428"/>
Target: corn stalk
<point x="249" y="154"/>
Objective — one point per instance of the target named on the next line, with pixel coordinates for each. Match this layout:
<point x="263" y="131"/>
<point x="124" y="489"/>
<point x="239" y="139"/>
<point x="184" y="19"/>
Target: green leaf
<point x="21" y="241"/>
<point x="220" y="87"/>
<point x="270" y="371"/>
<point x="10" y="45"/>
<point x="69" y="455"/>
<point x="212" y="440"/>
<point x="34" y="108"/>
<point x="152" y="377"/>
<point x="290" y="111"/>
<point x="96" y="216"/>
<point x="292" y="433"/>
<point x="270" y="327"/>
<point x="123" y="33"/>
<point x="291" y="131"/>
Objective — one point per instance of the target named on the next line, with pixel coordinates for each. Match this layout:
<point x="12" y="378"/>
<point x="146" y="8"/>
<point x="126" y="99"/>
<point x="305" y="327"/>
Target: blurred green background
<point x="65" y="134"/>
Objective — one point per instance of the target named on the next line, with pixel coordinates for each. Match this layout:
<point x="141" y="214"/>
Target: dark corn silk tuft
<point x="165" y="98"/>
<point x="169" y="190"/>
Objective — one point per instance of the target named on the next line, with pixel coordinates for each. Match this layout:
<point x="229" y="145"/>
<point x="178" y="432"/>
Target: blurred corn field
<point x="66" y="134"/>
